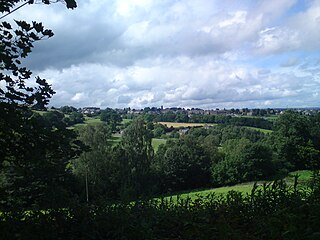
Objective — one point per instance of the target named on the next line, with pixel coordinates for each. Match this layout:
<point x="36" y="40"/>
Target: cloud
<point x="137" y="53"/>
<point x="290" y="62"/>
<point x="276" y="40"/>
<point x="167" y="82"/>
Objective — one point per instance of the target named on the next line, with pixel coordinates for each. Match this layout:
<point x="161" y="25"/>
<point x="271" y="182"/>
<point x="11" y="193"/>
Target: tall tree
<point x="34" y="152"/>
<point x="95" y="168"/>
<point x="34" y="159"/>
<point x="138" y="151"/>
<point x="16" y="44"/>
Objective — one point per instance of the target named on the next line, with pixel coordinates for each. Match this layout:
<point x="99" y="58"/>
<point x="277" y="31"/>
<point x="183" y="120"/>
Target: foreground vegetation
<point x="273" y="212"/>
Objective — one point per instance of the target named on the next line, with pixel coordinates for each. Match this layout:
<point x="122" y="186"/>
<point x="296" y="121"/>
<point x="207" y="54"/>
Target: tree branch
<point x="15" y="9"/>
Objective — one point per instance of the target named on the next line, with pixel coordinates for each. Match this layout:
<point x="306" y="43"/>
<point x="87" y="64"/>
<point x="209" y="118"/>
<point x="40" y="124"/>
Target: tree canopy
<point x="16" y="43"/>
<point x="35" y="150"/>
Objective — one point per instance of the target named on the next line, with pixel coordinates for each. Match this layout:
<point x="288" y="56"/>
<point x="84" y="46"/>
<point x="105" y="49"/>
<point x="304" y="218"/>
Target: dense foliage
<point x="203" y="157"/>
<point x="180" y="117"/>
<point x="111" y="117"/>
<point x="34" y="157"/>
<point x="35" y="151"/>
<point x="182" y="164"/>
<point x="273" y="211"/>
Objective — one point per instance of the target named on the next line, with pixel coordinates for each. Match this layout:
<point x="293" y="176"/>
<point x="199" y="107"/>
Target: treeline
<point x="70" y="116"/>
<point x="67" y="118"/>
<point x="171" y="116"/>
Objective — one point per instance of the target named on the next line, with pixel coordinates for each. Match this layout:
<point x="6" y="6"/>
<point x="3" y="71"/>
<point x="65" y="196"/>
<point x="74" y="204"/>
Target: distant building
<point x="90" y="110"/>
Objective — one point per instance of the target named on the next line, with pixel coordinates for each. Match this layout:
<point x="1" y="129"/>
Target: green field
<point x="272" y="118"/>
<point x="304" y="177"/>
<point x="88" y="120"/>
<point x="115" y="138"/>
<point x="184" y="125"/>
<point x="156" y="142"/>
<point x="125" y="121"/>
<point x="244" y="188"/>
<point x="259" y="129"/>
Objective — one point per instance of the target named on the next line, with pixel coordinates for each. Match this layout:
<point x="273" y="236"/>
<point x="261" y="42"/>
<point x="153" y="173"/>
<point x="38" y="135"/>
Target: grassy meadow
<point x="184" y="125"/>
<point x="304" y="178"/>
<point x="156" y="142"/>
<point x="259" y="129"/>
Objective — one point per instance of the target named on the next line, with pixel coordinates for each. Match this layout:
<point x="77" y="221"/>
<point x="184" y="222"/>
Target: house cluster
<point x="90" y="110"/>
<point x="194" y="111"/>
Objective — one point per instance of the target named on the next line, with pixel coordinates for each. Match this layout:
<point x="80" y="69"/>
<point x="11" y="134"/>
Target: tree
<point x="111" y="117"/>
<point x="138" y="152"/>
<point x="293" y="139"/>
<point x="181" y="165"/>
<point x="34" y="158"/>
<point x="68" y="109"/>
<point x="16" y="44"/>
<point x="35" y="152"/>
<point x="76" y="117"/>
<point x="243" y="161"/>
<point x="159" y="130"/>
<point x="96" y="169"/>
<point x="55" y="118"/>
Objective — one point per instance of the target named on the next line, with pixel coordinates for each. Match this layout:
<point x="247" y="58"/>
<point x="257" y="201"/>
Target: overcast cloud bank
<point x="208" y="54"/>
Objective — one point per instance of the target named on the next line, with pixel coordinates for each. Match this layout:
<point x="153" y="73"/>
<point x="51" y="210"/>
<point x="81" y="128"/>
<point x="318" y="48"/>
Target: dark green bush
<point x="271" y="211"/>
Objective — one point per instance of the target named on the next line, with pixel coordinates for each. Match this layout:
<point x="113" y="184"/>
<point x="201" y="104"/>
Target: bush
<point x="272" y="211"/>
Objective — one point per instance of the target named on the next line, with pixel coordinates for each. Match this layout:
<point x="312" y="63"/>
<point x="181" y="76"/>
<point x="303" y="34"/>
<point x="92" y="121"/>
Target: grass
<point x="259" y="129"/>
<point x="89" y="120"/>
<point x="184" y="125"/>
<point x="115" y="138"/>
<point x="272" y="118"/>
<point x="156" y="142"/>
<point x="194" y="194"/>
<point x="304" y="177"/>
<point x="96" y="120"/>
<point x="125" y="121"/>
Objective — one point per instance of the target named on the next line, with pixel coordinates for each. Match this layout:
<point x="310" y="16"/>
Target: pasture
<point x="194" y="194"/>
<point x="156" y="142"/>
<point x="245" y="188"/>
<point x="185" y="125"/>
<point x="259" y="129"/>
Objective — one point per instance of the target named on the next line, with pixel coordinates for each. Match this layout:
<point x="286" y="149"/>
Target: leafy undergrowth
<point x="275" y="211"/>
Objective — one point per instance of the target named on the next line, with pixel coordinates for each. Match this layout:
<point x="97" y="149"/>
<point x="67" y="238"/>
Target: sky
<point x="180" y="53"/>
